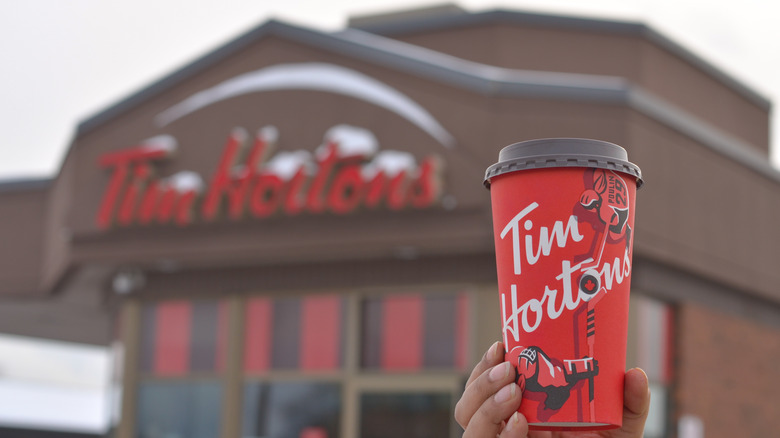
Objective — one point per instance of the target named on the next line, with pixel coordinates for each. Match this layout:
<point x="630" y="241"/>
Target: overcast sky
<point x="64" y="60"/>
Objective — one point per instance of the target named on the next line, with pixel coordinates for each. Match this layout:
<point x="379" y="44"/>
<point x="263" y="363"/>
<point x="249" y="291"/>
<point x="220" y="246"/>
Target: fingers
<point x="486" y="378"/>
<point x="516" y="427"/>
<point x="488" y="408"/>
<point x="480" y="391"/>
<point x="636" y="404"/>
<point x="488" y="420"/>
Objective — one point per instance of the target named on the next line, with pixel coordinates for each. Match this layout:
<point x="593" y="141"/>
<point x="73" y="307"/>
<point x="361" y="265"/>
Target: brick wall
<point x="728" y="373"/>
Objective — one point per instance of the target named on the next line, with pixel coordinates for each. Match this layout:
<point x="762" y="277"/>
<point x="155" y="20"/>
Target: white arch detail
<point x="313" y="76"/>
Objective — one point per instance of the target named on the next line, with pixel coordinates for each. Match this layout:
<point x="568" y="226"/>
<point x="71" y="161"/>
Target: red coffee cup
<point x="563" y="221"/>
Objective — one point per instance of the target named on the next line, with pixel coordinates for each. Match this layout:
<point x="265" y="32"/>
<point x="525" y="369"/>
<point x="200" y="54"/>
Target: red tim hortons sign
<point x="346" y="172"/>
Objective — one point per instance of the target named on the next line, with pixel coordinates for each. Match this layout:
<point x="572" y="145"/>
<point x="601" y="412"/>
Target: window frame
<point x="352" y="378"/>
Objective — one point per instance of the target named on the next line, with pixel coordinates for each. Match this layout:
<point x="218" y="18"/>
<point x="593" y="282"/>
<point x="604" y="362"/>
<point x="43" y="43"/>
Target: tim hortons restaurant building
<point x="289" y="237"/>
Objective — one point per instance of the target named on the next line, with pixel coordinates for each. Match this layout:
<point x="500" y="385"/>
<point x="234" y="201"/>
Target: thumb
<point x="636" y="404"/>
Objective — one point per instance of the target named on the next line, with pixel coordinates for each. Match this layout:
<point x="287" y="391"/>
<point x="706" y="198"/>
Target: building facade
<point x="289" y="237"/>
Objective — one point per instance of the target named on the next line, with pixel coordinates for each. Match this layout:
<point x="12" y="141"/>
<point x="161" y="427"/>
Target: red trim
<point x="402" y="333"/>
<point x="320" y="345"/>
<point x="461" y="331"/>
<point x="172" y="338"/>
<point x="257" y="343"/>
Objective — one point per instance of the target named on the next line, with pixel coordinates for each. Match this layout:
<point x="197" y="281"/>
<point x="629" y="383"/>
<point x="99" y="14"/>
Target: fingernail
<point x="512" y="422"/>
<point x="499" y="372"/>
<point x="506" y="393"/>
<point x="493" y="352"/>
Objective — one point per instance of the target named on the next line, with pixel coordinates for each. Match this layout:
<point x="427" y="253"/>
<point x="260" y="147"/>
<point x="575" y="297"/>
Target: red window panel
<point x="180" y="337"/>
<point x="415" y="331"/>
<point x="172" y="338"/>
<point x="257" y="343"/>
<point x="402" y="333"/>
<point x="320" y="344"/>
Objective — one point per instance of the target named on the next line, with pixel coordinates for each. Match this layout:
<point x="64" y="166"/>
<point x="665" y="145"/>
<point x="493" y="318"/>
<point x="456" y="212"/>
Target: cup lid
<point x="563" y="152"/>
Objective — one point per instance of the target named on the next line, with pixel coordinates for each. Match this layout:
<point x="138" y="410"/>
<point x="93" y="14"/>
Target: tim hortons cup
<point x="563" y="222"/>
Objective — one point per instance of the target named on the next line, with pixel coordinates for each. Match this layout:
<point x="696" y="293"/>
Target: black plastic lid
<point x="563" y="152"/>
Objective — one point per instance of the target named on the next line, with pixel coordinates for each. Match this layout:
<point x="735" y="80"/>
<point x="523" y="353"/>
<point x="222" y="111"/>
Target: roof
<point x="427" y="22"/>
<point x="480" y="78"/>
<point x="25" y="184"/>
<point x="367" y="42"/>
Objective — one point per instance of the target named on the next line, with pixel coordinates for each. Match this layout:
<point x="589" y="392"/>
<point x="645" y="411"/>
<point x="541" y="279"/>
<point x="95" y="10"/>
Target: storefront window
<point x="299" y="367"/>
<point x="654" y="322"/>
<point x="414" y="331"/>
<point x="296" y="333"/>
<point x="412" y="415"/>
<point x="179" y="410"/>
<point x="183" y="351"/>
<point x="181" y="337"/>
<point x="291" y="410"/>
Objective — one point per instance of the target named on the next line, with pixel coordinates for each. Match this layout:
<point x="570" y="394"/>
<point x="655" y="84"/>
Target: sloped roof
<point x="427" y="23"/>
<point x="476" y="77"/>
<point x="25" y="184"/>
<point x="397" y="55"/>
<point x="366" y="43"/>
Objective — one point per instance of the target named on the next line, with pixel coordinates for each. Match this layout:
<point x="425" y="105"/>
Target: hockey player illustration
<point x="608" y="197"/>
<point x="537" y="372"/>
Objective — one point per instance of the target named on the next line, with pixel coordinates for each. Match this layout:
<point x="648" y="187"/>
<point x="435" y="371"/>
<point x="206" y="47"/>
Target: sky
<point x="65" y="60"/>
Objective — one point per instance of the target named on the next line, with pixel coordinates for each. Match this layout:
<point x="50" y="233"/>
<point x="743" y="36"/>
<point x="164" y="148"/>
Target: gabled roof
<point x="394" y="54"/>
<point x="426" y="23"/>
<point x="478" y="78"/>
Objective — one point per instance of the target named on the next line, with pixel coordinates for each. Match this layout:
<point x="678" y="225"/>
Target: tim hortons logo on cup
<point x="594" y="248"/>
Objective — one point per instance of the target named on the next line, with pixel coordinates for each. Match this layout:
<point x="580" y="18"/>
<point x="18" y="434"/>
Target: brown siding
<point x="61" y="200"/>
<point x="703" y="212"/>
<point x="537" y="48"/>
<point x="637" y="58"/>
<point x="21" y="240"/>
<point x="728" y="373"/>
<point x="678" y="81"/>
